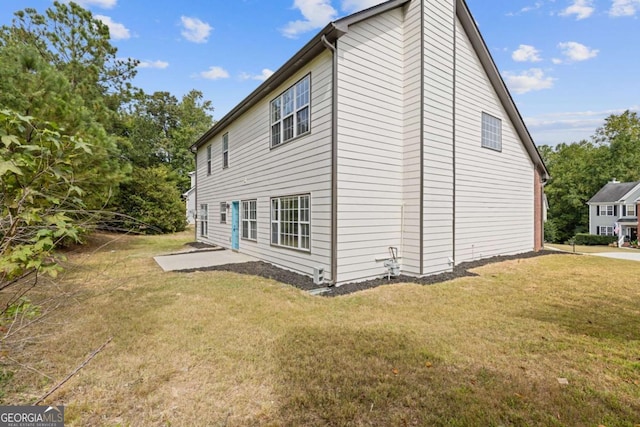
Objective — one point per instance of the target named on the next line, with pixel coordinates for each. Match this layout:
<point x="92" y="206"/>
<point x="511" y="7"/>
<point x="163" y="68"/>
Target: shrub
<point x="593" y="239"/>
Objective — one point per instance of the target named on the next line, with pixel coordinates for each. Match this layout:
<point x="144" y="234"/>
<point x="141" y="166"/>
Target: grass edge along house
<point x="391" y="128"/>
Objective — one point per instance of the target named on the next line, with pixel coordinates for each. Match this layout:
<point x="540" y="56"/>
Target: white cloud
<point x="576" y="52"/>
<point x="624" y="7"/>
<point x="556" y="61"/>
<point x="351" y="6"/>
<point x="104" y="4"/>
<point x="195" y="30"/>
<point x="582" y="9"/>
<point x="316" y="13"/>
<point x="117" y="31"/>
<point x="153" y="64"/>
<point x="527" y="9"/>
<point x="215" y="73"/>
<point x="527" y="81"/>
<point x="553" y="128"/>
<point x="264" y="75"/>
<point x="526" y="53"/>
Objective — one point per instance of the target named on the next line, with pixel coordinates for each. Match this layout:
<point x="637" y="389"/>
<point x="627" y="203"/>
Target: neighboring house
<point x="190" y="200"/>
<point x="614" y="210"/>
<point x="390" y="128"/>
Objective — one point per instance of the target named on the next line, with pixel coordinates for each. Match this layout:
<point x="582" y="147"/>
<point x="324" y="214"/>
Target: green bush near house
<point x="593" y="239"/>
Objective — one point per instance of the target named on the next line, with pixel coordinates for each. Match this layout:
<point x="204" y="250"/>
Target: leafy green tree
<point x="152" y="202"/>
<point x="40" y="198"/>
<point x="579" y="170"/>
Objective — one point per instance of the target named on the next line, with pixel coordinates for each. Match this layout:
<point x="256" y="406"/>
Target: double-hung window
<point x="249" y="220"/>
<point x="208" y="159"/>
<point x="631" y="210"/>
<point x="491" y="132"/>
<point x="607" y="210"/>
<point x="606" y="231"/>
<point x="223" y="212"/>
<point x="225" y="150"/>
<point x="290" y="112"/>
<point x="204" y="220"/>
<point x="291" y="222"/>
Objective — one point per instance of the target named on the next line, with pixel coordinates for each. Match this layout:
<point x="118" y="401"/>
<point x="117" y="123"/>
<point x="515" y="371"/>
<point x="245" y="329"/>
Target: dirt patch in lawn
<point x="269" y="271"/>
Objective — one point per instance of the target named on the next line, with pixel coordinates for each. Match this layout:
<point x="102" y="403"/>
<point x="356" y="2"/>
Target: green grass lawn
<point x="222" y="349"/>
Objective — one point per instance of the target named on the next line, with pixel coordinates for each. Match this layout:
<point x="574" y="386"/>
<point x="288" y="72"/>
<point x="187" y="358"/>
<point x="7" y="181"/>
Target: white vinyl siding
<point x="290" y="113"/>
<point x="249" y="220"/>
<point x="370" y="144"/>
<point x="410" y="245"/>
<point x="438" y="136"/>
<point x="291" y="222"/>
<point x="494" y="194"/>
<point x="260" y="173"/>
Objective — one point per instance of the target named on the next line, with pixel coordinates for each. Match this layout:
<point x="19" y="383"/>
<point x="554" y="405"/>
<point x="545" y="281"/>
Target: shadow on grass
<point x="614" y="319"/>
<point x="349" y="376"/>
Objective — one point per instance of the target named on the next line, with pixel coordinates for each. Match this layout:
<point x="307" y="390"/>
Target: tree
<point x="579" y="170"/>
<point x="151" y="199"/>
<point x="40" y="199"/>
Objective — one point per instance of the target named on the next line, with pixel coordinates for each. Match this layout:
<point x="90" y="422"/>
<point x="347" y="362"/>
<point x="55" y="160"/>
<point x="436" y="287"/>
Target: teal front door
<point x="235" y="225"/>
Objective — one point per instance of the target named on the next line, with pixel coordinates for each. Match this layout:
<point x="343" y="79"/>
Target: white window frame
<point x="209" y="159"/>
<point x="607" y="210"/>
<point x="292" y="106"/>
<point x="291" y="222"/>
<point x="250" y="220"/>
<point x="204" y="219"/>
<point x="223" y="212"/>
<point x="491" y="132"/>
<point x="225" y="150"/>
<point x="606" y="230"/>
<point x="631" y="208"/>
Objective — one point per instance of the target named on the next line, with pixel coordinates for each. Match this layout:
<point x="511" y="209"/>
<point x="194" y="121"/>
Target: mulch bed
<point x="269" y="271"/>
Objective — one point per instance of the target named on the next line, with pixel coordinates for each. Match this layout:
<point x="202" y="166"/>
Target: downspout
<point x="422" y="109"/>
<point x="196" y="214"/>
<point x="453" y="148"/>
<point x="334" y="161"/>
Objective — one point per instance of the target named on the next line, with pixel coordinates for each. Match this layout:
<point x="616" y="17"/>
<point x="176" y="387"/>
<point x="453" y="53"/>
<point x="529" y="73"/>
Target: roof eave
<point x="301" y="58"/>
<point x="469" y="25"/>
<point x="331" y="32"/>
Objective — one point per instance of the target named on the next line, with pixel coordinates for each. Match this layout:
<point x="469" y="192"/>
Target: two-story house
<point x="391" y="128"/>
<point x="613" y="210"/>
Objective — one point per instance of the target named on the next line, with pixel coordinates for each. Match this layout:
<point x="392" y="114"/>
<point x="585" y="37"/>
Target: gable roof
<point x="337" y="29"/>
<point x="613" y="191"/>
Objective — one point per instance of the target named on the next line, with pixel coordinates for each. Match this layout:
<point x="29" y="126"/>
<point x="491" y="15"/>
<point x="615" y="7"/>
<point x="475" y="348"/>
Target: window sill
<point x="304" y="251"/>
<point x="273" y="147"/>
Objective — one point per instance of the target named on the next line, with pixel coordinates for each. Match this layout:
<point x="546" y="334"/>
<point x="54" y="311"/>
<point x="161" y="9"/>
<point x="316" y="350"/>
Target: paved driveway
<point x="631" y="256"/>
<point x="200" y="259"/>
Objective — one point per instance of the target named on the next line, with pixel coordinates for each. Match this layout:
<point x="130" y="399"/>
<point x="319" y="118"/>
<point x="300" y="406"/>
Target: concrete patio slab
<point x="200" y="259"/>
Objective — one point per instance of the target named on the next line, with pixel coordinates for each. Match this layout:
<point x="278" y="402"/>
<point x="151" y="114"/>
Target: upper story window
<point x="208" y="159"/>
<point x="631" y="210"/>
<point x="225" y="150"/>
<point x="290" y="112"/>
<point x="491" y="132"/>
<point x="606" y="210"/>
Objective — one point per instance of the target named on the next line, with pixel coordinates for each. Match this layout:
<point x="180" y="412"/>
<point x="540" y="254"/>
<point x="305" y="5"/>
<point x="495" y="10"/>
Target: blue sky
<point x="568" y="63"/>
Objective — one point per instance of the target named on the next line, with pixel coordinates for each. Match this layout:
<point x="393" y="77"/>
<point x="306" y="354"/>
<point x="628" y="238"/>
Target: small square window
<point x="491" y="132"/>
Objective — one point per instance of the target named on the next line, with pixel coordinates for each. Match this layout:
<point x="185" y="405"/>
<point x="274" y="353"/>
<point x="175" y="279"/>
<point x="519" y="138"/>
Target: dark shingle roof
<point x="612" y="192"/>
